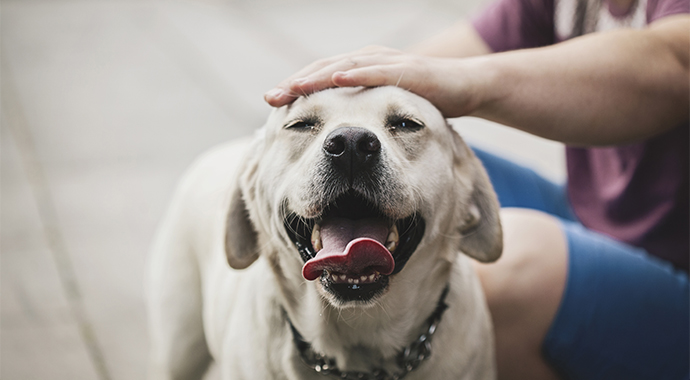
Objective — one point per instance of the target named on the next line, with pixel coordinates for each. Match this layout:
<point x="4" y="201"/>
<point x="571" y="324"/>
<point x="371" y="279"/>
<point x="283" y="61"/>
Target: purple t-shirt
<point x="636" y="193"/>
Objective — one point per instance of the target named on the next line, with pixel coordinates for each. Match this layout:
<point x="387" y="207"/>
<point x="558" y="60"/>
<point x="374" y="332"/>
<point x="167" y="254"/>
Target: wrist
<point x="464" y="86"/>
<point x="488" y="83"/>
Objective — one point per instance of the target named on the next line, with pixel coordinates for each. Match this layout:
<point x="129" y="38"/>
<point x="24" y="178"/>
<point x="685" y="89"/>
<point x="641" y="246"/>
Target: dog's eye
<point x="301" y="125"/>
<point x="404" y="124"/>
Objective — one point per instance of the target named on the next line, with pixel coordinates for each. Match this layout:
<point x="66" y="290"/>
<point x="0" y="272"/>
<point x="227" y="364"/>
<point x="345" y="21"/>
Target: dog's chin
<point x="347" y="286"/>
<point x="346" y="295"/>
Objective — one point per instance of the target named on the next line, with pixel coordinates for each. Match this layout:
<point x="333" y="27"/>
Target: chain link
<point x="407" y="360"/>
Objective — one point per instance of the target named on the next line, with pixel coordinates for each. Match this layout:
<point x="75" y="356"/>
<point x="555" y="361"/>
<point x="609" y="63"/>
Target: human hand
<point x="444" y="82"/>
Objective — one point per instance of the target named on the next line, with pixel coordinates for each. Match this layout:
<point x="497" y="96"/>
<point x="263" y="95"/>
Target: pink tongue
<point x="351" y="247"/>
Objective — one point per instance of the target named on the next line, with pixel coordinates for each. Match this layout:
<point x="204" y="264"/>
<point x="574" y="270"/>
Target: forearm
<point x="459" y="41"/>
<point x="595" y="90"/>
<point x="600" y="89"/>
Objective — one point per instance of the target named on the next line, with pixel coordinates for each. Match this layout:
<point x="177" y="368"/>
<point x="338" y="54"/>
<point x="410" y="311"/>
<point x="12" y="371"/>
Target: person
<point x="593" y="282"/>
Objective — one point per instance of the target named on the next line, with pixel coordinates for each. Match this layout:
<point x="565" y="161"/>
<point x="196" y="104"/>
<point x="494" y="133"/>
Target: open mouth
<point x="353" y="247"/>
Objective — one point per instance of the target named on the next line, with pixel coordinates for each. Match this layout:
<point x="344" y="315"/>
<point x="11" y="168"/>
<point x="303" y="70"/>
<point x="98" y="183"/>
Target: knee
<point x="534" y="259"/>
<point x="523" y="290"/>
<point x="524" y="287"/>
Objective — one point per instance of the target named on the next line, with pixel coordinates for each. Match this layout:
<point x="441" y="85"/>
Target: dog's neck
<point x="406" y="360"/>
<point x="360" y="338"/>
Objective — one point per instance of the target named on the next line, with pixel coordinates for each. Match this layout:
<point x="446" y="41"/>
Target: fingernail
<point x="275" y="93"/>
<point x="338" y="77"/>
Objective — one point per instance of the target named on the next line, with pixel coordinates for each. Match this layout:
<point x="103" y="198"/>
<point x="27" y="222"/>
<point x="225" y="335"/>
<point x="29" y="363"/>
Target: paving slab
<point x="40" y="336"/>
<point x="103" y="87"/>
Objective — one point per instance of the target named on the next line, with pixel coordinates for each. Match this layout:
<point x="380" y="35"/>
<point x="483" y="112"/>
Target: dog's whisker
<point x="400" y="79"/>
<point x="385" y="311"/>
<point x="291" y="222"/>
<point x="293" y="94"/>
<point x="304" y="93"/>
<point x="366" y="311"/>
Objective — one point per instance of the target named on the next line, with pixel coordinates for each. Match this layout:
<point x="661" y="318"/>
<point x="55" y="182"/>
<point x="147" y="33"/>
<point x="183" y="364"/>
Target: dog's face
<point x="349" y="187"/>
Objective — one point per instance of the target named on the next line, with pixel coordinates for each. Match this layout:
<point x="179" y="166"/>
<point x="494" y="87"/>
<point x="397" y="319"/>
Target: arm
<point x="459" y="41"/>
<point x="598" y="89"/>
<point x="601" y="88"/>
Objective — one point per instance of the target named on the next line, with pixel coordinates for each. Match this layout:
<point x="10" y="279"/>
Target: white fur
<point x="201" y="309"/>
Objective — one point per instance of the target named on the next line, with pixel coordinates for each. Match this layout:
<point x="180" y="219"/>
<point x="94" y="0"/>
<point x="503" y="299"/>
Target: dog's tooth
<point x="350" y="280"/>
<point x="316" y="238"/>
<point x="334" y="277"/>
<point x="393" y="233"/>
<point x="363" y="278"/>
<point x="355" y="280"/>
<point x="391" y="246"/>
<point x="343" y="277"/>
<point x="372" y="276"/>
<point x="393" y="238"/>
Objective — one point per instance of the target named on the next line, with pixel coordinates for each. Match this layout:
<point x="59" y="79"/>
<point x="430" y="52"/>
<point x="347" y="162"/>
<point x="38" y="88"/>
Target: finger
<point x="322" y="63"/>
<point x="323" y="78"/>
<point x="418" y="80"/>
<point x="315" y="76"/>
<point x="278" y="97"/>
<point x="318" y="65"/>
<point x="281" y="93"/>
<point x="312" y="78"/>
<point x="372" y="76"/>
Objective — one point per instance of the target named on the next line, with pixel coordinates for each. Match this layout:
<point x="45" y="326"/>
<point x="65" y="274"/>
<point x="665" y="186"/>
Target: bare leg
<point x="524" y="289"/>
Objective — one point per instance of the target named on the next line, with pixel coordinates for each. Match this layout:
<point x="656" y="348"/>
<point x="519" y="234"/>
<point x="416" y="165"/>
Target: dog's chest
<point x="258" y="343"/>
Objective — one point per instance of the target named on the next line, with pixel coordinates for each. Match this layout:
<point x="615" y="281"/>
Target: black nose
<point x="352" y="150"/>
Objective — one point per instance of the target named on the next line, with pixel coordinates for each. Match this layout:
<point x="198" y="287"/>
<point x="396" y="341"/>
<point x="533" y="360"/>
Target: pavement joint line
<point x="185" y="54"/>
<point x="17" y="124"/>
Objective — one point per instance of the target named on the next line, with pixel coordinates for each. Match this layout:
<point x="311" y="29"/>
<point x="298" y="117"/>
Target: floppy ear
<point x="482" y="237"/>
<point x="241" y="239"/>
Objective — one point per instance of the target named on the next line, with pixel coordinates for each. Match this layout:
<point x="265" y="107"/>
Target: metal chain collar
<point x="408" y="359"/>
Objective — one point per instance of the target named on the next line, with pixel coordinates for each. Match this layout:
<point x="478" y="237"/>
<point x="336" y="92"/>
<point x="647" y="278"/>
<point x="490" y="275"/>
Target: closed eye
<point x="301" y="125"/>
<point x="404" y="124"/>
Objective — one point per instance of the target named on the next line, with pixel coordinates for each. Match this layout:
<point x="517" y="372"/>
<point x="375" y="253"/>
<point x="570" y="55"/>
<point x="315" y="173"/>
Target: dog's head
<point x="351" y="187"/>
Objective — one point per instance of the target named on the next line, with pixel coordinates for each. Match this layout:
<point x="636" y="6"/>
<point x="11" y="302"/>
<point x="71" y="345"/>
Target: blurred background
<point x="105" y="103"/>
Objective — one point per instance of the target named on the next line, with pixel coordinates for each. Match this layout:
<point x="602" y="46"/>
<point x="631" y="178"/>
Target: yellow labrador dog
<point x="345" y="222"/>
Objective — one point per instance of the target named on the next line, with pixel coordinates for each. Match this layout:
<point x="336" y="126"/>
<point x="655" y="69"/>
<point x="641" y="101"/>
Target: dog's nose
<point x="352" y="149"/>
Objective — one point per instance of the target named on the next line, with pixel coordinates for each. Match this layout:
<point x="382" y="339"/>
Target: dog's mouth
<point x="353" y="247"/>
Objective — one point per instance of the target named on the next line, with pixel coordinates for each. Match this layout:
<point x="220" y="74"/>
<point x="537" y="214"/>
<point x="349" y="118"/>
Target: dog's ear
<point x="482" y="236"/>
<point x="241" y="237"/>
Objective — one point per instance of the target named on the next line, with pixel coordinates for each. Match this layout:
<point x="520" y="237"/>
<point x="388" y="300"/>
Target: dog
<point x="348" y="222"/>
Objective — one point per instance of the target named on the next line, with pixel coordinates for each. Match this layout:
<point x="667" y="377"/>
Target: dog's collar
<point x="408" y="359"/>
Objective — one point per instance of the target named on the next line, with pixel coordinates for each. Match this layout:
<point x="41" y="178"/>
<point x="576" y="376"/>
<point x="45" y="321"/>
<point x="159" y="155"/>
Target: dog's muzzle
<point x="353" y="246"/>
